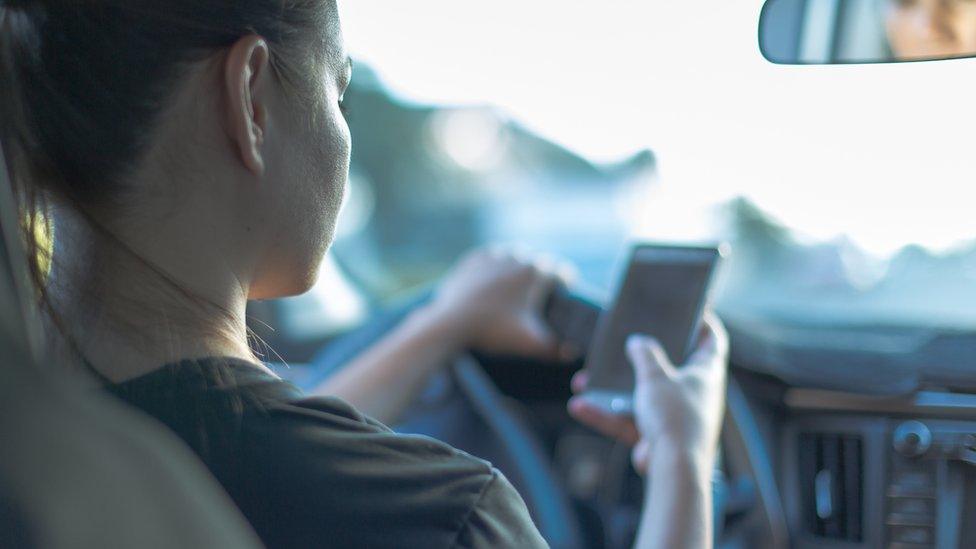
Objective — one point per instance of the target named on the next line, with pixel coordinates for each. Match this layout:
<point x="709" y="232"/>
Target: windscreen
<point x="845" y="194"/>
<point x="662" y="296"/>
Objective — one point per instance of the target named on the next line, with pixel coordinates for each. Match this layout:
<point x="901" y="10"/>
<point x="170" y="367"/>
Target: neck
<point x="128" y="308"/>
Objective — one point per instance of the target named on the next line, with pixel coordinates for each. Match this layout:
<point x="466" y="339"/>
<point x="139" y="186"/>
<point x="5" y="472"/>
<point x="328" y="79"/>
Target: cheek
<point x="332" y="161"/>
<point x="326" y="149"/>
<point x="343" y="142"/>
<point x="300" y="201"/>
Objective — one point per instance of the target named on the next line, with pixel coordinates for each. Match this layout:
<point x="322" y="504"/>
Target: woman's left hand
<point x="680" y="408"/>
<point x="494" y="301"/>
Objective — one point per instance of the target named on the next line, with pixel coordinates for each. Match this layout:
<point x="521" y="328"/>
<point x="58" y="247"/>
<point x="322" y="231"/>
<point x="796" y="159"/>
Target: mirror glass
<point x="821" y="32"/>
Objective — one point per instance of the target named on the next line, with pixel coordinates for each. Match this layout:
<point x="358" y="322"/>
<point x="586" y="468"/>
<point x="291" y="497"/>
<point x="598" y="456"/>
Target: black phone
<point x="663" y="295"/>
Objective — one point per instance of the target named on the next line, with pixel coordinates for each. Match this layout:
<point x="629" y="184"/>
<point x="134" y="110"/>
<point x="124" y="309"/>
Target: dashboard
<point x="870" y="434"/>
<point x="840" y="436"/>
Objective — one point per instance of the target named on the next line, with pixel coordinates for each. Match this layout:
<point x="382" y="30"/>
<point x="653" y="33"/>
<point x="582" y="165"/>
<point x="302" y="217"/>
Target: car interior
<point x="851" y="403"/>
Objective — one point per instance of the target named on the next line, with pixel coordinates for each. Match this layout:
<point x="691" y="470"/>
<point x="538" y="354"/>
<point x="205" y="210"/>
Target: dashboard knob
<point x="912" y="439"/>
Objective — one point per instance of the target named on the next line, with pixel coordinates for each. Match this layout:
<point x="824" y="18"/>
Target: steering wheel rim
<point x="463" y="407"/>
<point x="524" y="462"/>
<point x="742" y="442"/>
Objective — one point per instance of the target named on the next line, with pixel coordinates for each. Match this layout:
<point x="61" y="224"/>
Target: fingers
<point x="619" y="427"/>
<point x="717" y="330"/>
<point x="550" y="273"/>
<point x="543" y="284"/>
<point x="540" y="273"/>
<point x="714" y="342"/>
<point x="569" y="351"/>
<point x="707" y="347"/>
<point x="579" y="382"/>
<point x="563" y="272"/>
<point x="540" y="340"/>
<point x="640" y="456"/>
<point x="544" y="275"/>
<point x="648" y="359"/>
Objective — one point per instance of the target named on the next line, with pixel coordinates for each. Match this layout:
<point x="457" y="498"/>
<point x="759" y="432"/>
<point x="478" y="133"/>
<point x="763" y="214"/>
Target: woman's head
<point x="930" y="29"/>
<point x="201" y="134"/>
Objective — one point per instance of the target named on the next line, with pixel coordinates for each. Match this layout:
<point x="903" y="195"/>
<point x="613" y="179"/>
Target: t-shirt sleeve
<point x="319" y="470"/>
<point x="315" y="472"/>
<point x="499" y="519"/>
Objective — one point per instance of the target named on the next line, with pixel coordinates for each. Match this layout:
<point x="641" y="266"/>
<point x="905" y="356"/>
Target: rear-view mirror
<point x="823" y="32"/>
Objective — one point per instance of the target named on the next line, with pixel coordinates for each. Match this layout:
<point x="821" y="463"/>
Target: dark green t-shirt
<point x="314" y="472"/>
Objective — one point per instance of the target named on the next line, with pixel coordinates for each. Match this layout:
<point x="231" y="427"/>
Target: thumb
<point x="648" y="358"/>
<point x="640" y="456"/>
<point x="539" y="339"/>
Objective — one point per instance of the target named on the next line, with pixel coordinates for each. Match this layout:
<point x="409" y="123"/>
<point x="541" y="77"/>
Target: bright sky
<point x="882" y="153"/>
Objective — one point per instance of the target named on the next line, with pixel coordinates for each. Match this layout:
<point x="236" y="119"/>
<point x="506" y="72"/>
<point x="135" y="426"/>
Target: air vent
<point x="831" y="472"/>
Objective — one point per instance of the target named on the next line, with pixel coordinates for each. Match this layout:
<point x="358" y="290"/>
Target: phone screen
<point x="662" y="295"/>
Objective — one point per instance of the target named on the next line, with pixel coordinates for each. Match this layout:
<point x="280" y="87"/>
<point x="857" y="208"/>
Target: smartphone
<point x="663" y="294"/>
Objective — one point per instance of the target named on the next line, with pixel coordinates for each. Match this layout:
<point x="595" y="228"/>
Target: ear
<point x="245" y="85"/>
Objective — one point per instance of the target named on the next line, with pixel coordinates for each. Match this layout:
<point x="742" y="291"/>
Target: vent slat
<point x="807" y="463"/>
<point x="831" y="476"/>
<point x="830" y="452"/>
<point x="852" y="486"/>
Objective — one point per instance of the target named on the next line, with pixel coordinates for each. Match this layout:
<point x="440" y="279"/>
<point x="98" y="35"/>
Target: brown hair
<point x="84" y="81"/>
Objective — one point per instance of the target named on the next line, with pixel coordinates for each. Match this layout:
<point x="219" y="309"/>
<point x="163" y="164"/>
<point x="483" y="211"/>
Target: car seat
<point x="78" y="469"/>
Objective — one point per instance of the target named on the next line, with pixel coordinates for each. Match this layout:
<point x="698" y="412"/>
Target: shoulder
<point x="312" y="470"/>
<point x="499" y="519"/>
<point x="327" y="472"/>
<point x="335" y="474"/>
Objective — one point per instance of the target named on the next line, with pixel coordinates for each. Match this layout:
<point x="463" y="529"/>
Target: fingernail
<point x="574" y="404"/>
<point x="637" y="341"/>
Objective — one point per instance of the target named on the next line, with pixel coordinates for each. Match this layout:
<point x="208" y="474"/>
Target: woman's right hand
<point x="676" y="410"/>
<point x="494" y="299"/>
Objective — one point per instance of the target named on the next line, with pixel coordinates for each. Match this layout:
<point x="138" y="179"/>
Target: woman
<point x="191" y="155"/>
<point x="930" y="29"/>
